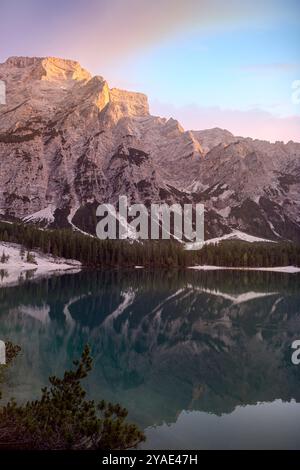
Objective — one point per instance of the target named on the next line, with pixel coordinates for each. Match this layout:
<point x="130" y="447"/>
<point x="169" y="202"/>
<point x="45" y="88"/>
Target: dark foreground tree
<point x="64" y="419"/>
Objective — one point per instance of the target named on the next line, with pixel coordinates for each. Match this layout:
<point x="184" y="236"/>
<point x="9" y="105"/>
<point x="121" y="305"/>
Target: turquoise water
<point x="200" y="359"/>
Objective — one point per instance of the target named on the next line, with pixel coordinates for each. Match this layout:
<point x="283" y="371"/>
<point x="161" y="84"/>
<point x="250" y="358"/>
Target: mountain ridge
<point x="68" y="142"/>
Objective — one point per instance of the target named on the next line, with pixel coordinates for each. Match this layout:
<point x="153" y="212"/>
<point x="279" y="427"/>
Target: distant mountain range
<point x="68" y="142"/>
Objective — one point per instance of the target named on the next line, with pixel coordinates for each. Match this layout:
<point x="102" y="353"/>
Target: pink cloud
<point x="101" y="35"/>
<point x="254" y="123"/>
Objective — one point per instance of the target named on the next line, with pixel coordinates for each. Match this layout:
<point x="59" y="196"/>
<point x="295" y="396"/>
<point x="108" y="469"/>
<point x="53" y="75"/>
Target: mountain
<point x="69" y="142"/>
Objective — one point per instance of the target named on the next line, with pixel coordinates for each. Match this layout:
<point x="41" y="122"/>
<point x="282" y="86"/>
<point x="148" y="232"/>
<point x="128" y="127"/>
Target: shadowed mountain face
<point x="162" y="342"/>
<point x="68" y="142"/>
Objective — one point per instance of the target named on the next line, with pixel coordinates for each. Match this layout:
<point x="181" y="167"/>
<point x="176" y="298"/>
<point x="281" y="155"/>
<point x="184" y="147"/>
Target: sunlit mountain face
<point x="165" y="344"/>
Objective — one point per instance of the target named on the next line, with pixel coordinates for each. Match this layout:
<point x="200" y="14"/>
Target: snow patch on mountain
<point x="224" y="212"/>
<point x="46" y="214"/>
<point x="238" y="235"/>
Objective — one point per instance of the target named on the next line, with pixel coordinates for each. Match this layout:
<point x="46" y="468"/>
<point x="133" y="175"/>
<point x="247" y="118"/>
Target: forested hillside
<point x="93" y="252"/>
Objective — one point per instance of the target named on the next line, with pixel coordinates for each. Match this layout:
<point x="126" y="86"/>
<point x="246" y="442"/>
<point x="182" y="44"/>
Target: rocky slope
<point x="68" y="142"/>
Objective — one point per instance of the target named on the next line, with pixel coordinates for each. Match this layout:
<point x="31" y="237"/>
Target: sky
<point x="208" y="63"/>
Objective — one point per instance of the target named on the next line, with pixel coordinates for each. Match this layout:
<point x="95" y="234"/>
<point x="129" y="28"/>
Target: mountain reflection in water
<point x="186" y="352"/>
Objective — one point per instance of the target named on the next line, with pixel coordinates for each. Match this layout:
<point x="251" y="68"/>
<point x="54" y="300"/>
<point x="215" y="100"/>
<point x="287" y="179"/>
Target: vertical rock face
<point x="69" y="142"/>
<point x="125" y="103"/>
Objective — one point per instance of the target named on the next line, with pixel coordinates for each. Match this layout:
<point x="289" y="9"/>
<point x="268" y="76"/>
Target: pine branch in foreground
<point x="64" y="419"/>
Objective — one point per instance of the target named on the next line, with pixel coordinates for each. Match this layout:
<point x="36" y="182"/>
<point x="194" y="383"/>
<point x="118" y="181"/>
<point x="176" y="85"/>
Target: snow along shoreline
<point x="278" y="269"/>
<point x="16" y="269"/>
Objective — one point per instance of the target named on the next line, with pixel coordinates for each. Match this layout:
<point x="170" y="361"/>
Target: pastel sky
<point x="208" y="63"/>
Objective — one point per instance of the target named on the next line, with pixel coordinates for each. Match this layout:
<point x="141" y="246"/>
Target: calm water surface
<point x="200" y="360"/>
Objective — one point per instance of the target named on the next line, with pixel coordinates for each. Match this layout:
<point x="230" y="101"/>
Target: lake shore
<point x="16" y="268"/>
<point x="279" y="269"/>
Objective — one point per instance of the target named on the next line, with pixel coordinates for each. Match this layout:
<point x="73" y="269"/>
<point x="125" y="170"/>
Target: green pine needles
<point x="64" y="419"/>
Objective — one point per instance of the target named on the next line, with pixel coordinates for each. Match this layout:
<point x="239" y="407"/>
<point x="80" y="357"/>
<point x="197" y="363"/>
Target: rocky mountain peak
<point x="210" y="138"/>
<point x="48" y="68"/>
